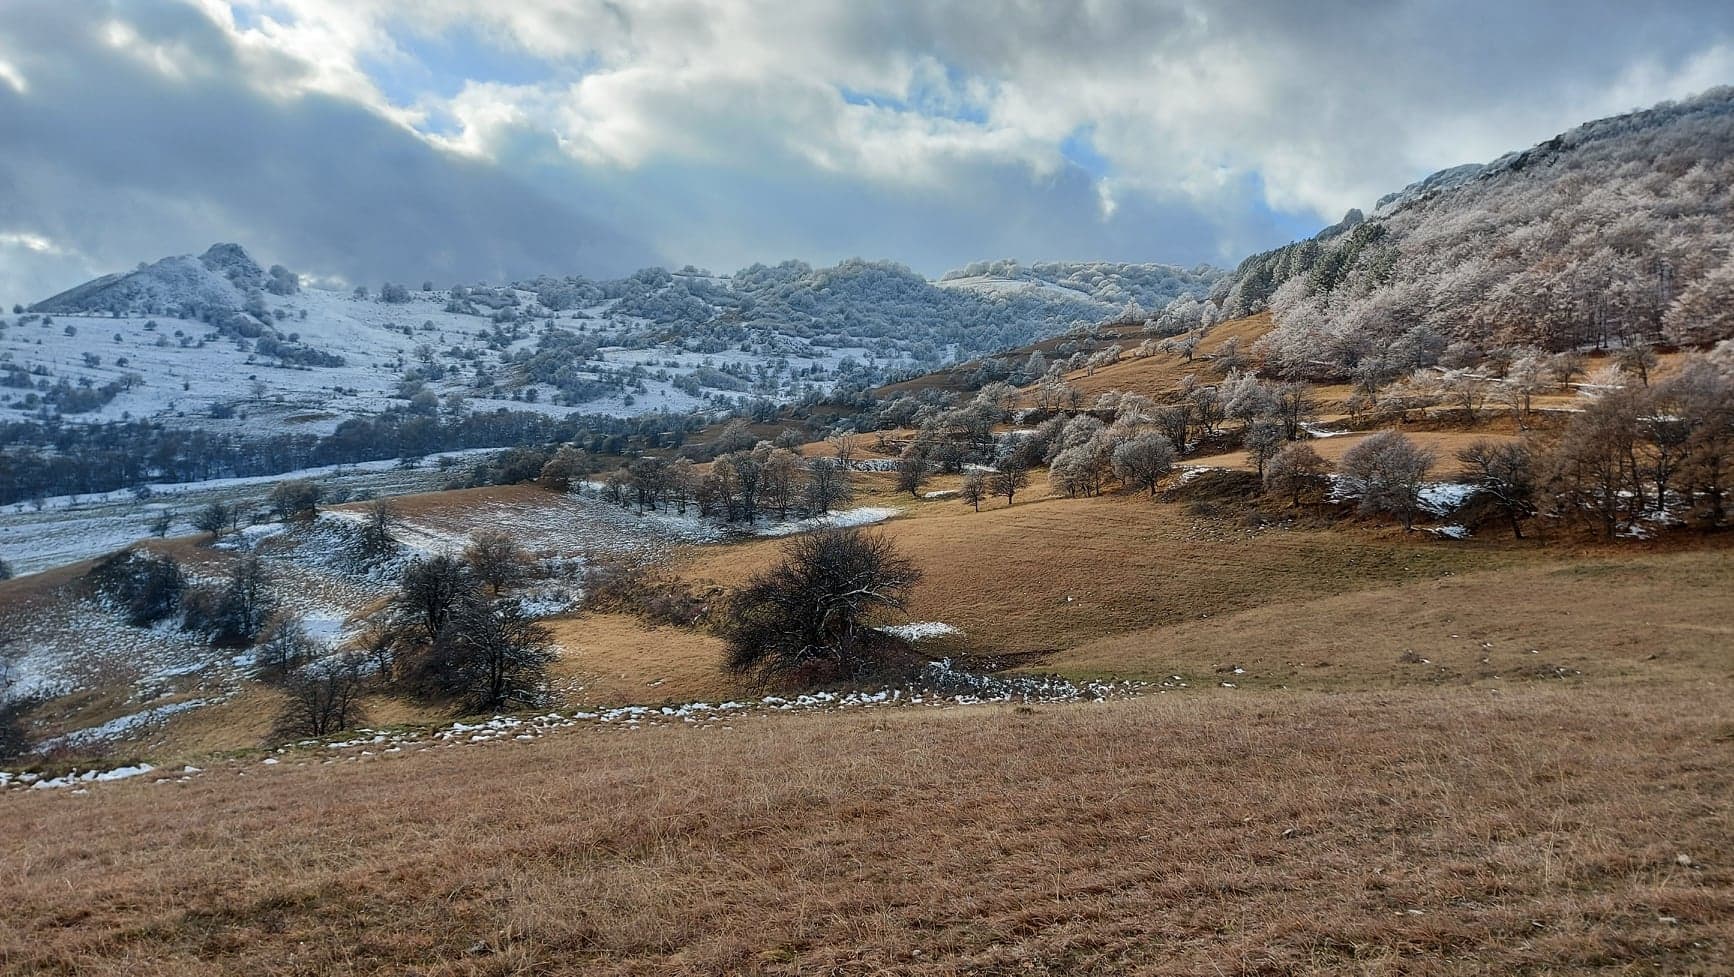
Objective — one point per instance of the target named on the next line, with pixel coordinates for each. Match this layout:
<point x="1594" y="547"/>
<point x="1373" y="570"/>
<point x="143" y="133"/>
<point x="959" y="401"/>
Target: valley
<point x="1364" y="609"/>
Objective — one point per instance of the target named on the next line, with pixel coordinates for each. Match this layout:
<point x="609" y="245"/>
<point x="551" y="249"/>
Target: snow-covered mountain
<point x="218" y="342"/>
<point x="1618" y="231"/>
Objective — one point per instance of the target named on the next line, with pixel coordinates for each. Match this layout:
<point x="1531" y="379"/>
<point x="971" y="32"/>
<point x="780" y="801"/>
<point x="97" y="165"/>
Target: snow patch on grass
<point x="124" y="726"/>
<point x="1442" y="498"/>
<point x="864" y="516"/>
<point x="920" y="630"/>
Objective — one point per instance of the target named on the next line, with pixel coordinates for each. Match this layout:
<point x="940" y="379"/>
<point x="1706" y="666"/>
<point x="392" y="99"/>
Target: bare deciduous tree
<point x="494" y="654"/>
<point x="284" y="646"/>
<point x="215" y="519"/>
<point x="973" y="489"/>
<point x="1386" y="473"/>
<point x="845" y="445"/>
<point x="378" y="529"/>
<point x="1505" y="470"/>
<point x="912" y="469"/>
<point x="1012" y="475"/>
<point x="827" y="485"/>
<point x="496" y="559"/>
<point x="1295" y="473"/>
<point x="322" y="698"/>
<point x="297" y="498"/>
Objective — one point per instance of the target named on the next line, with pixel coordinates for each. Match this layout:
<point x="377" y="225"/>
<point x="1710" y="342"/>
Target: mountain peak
<point x="234" y="263"/>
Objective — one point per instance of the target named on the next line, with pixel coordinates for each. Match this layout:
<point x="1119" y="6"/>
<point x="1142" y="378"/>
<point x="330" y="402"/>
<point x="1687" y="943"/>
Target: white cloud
<point x="1328" y="106"/>
<point x="14" y="78"/>
<point x="29" y="241"/>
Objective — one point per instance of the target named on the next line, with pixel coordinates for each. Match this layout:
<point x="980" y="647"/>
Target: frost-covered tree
<point x="1296" y="473"/>
<point x="1263" y="439"/>
<point x="1143" y="460"/>
<point x="1608" y="235"/>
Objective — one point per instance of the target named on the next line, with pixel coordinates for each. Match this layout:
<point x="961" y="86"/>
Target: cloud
<point x="726" y="131"/>
<point x="149" y="132"/>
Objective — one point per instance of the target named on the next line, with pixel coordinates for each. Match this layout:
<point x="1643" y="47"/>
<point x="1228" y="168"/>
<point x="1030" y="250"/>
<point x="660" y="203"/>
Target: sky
<point x="467" y="140"/>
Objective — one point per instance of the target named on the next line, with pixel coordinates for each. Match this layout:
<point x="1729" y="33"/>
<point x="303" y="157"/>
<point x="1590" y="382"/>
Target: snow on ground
<point x="77" y="643"/>
<point x="1320" y="431"/>
<point x="864" y="516"/>
<point x="186" y="374"/>
<point x="1443" y="498"/>
<point x="564" y="525"/>
<point x="1438" y="498"/>
<point x="1189" y="472"/>
<point x="31" y="780"/>
<point x="391" y="469"/>
<point x="123" y="727"/>
<point x="1450" y="532"/>
<point x="995" y="286"/>
<point x="68" y="529"/>
<point x="920" y="630"/>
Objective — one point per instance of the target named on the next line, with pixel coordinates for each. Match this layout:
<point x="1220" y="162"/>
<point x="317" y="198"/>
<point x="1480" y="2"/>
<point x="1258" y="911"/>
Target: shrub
<point x="144" y="588"/>
<point x="811" y="610"/>
<point x="322" y="698"/>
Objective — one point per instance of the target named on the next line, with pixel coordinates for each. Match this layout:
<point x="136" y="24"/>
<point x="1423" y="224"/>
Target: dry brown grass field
<point x="1155" y="376"/>
<point x="1444" y="444"/>
<point x="1559" y="828"/>
<point x="1046" y="574"/>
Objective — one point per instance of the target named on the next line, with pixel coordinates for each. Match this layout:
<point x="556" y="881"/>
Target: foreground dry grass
<point x="1428" y="831"/>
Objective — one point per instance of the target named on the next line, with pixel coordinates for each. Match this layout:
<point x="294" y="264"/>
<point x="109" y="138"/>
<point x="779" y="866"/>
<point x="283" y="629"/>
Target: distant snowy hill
<point x="1110" y="284"/>
<point x="217" y="342"/>
<point x="220" y="279"/>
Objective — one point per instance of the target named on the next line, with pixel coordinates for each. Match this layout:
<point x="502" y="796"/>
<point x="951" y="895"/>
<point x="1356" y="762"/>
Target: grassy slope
<point x="1047" y="573"/>
<point x="1446" y="831"/>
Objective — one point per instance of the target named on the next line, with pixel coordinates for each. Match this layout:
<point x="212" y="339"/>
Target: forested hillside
<point x="1615" y="233"/>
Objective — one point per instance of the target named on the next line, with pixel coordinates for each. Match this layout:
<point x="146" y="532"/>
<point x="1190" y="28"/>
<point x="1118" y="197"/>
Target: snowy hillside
<point x="218" y="343"/>
<point x="1615" y="233"/>
<point x="1107" y="283"/>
